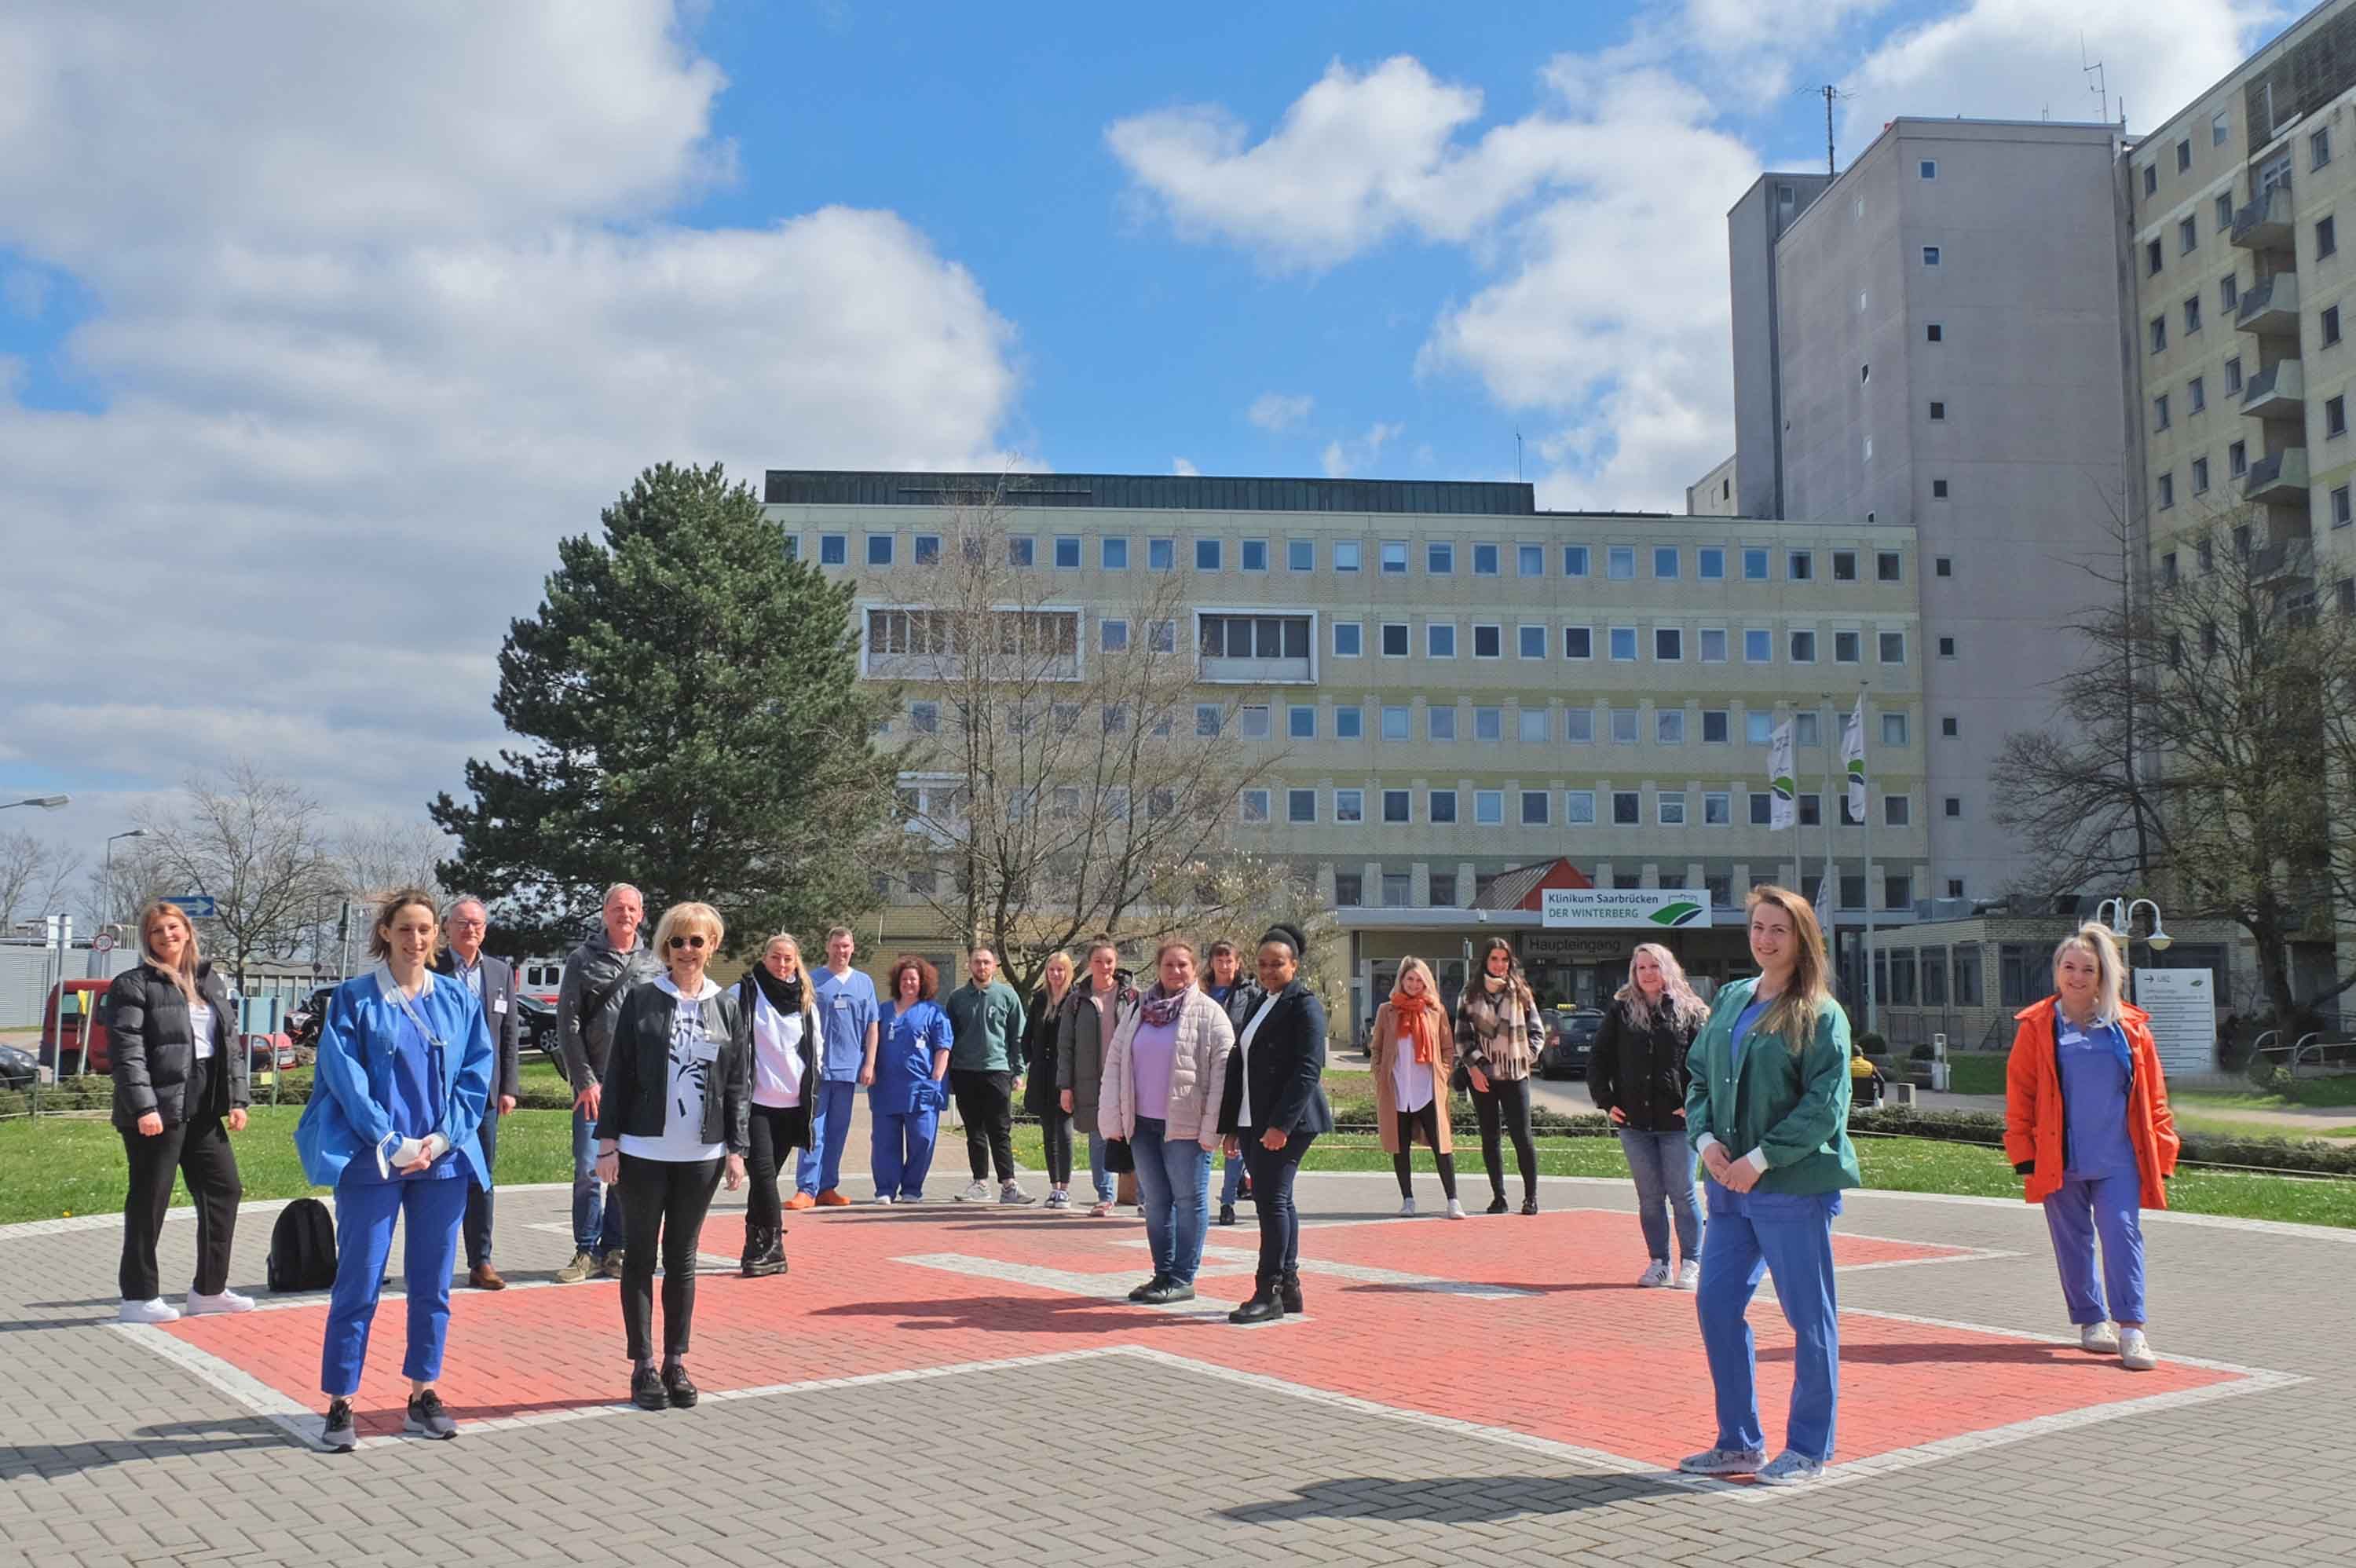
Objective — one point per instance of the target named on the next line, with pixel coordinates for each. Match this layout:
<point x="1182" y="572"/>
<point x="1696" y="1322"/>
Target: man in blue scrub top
<point x="847" y="1018"/>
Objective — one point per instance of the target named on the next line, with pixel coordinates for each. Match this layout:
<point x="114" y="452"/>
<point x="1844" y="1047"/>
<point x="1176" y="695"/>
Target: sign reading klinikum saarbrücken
<point x="1657" y="909"/>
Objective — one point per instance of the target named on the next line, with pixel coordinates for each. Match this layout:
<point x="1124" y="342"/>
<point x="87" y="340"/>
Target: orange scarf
<point x="1420" y="1017"/>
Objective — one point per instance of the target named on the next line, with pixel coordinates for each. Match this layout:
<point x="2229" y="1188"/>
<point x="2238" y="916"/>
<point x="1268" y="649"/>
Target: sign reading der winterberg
<point x="1650" y="908"/>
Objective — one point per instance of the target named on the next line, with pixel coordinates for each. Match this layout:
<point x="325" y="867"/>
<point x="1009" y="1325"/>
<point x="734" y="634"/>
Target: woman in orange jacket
<point x="2087" y="1122"/>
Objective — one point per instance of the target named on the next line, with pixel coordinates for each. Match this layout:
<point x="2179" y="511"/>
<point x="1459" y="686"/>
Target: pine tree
<point x="697" y="726"/>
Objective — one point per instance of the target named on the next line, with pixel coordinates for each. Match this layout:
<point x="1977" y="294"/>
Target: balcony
<point x="2271" y="309"/>
<point x="2277" y="392"/>
<point x="2279" y="477"/>
<point x="2265" y="223"/>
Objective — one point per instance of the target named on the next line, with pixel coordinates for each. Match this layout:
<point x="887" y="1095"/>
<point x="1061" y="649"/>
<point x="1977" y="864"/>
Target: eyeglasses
<point x="678" y="942"/>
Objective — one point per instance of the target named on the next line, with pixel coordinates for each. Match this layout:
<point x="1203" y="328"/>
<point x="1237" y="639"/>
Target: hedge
<point x="2311" y="1157"/>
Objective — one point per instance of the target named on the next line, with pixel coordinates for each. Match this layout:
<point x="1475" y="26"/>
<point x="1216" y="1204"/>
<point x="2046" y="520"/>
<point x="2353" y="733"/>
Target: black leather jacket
<point x="637" y="1100"/>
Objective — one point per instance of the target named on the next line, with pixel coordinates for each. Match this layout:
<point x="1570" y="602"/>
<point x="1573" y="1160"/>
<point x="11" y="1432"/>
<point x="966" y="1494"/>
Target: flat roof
<point x="1148" y="492"/>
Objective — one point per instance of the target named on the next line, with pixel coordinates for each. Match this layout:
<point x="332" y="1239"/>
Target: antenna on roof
<point x="2100" y="85"/>
<point x="1831" y="94"/>
<point x="1517" y="457"/>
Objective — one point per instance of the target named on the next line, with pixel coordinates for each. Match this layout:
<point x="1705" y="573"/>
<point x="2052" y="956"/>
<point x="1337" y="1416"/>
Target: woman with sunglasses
<point x="674" y="1118"/>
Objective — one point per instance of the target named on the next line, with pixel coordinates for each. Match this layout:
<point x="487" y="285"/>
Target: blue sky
<point x="318" y="328"/>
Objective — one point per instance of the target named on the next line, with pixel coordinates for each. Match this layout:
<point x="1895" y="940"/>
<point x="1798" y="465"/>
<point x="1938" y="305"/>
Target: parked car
<point x="261" y="1050"/>
<point x="1570" y="1035"/>
<point x="17" y="1069"/>
<point x="538" y="1021"/>
<point x="83" y="1008"/>
<point x="303" y="1023"/>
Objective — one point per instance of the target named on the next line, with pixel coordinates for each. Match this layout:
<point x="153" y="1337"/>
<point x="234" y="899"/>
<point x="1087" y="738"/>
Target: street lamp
<point x="126" y="833"/>
<point x="2119" y="915"/>
<point x="46" y="802"/>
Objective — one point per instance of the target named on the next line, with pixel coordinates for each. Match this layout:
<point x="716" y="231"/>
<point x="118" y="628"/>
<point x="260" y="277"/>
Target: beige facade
<point x="1717" y="494"/>
<point x="2243" y="205"/>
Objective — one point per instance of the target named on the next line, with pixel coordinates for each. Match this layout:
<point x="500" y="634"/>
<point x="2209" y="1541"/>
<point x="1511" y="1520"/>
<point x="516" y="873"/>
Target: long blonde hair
<point x="1793" y="1014"/>
<point x="2099" y="941"/>
<point x="1676" y="991"/>
<point x="184" y="974"/>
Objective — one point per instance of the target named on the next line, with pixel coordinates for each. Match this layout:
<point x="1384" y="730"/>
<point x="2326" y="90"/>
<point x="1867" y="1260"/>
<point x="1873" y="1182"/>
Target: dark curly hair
<point x="928" y="979"/>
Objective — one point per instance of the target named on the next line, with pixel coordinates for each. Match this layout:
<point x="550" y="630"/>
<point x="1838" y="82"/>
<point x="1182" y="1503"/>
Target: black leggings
<point x="1272" y="1171"/>
<point x="1055" y="1130"/>
<point x="1428" y="1121"/>
<point x="777" y="1129"/>
<point x="985" y="1103"/>
<point x="1508" y="1097"/>
<point x="663" y="1205"/>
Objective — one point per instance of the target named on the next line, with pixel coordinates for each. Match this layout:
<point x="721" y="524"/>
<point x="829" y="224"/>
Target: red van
<point x="84" y="1005"/>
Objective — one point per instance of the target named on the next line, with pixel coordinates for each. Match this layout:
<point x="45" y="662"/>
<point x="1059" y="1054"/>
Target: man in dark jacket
<point x="492" y="980"/>
<point x="597" y="976"/>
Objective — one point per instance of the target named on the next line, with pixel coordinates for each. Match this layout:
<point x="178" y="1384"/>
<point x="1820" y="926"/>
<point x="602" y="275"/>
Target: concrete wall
<point x="1753" y="225"/>
<point x="1717" y="494"/>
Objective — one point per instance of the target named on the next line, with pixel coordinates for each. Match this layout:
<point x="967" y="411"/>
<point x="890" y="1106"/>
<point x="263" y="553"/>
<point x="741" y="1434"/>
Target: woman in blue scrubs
<point x="1767" y="1110"/>
<point x="397" y="1095"/>
<point x="904" y="1103"/>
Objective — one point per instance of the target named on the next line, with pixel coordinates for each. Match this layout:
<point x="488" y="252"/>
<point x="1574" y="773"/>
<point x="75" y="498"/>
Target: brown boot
<point x="483" y="1276"/>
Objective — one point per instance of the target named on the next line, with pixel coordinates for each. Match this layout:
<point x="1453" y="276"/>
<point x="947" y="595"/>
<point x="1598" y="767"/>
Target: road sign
<point x="102" y="942"/>
<point x="2182" y="1004"/>
<point x="196" y="906"/>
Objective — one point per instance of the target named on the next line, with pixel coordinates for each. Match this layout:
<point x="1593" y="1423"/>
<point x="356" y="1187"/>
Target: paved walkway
<point x="947" y="1385"/>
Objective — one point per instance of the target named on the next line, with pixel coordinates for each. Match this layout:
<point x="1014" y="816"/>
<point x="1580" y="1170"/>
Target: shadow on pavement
<point x="1454" y="1500"/>
<point x="1948" y="1352"/>
<point x="1005" y="1314"/>
<point x="166" y="1440"/>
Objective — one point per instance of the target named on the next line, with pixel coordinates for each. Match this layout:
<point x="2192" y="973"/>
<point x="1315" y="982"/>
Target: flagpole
<point x="1872" y="1001"/>
<point x="1829" y="894"/>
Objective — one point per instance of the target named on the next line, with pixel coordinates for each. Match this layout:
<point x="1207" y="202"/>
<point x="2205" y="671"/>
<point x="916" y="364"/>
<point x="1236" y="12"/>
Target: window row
<point x="1308" y="806"/>
<point x="1447" y="722"/>
<point x="1398" y="890"/>
<point x="1619" y="644"/>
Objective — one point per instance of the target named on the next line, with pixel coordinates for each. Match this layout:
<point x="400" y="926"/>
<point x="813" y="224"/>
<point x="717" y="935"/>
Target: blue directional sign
<point x="197" y="906"/>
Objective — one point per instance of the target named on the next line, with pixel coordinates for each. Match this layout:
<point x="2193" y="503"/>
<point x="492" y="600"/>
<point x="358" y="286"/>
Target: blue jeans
<point x="1663" y="1165"/>
<point x="2111" y="1206"/>
<point x="1173" y="1187"/>
<point x="596" y="1222"/>
<point x="1789" y="1234"/>
<point x="1231" y="1179"/>
<point x="820" y="1168"/>
<point x="1099" y="1172"/>
<point x="431" y="1208"/>
<point x="900" y="1149"/>
<point x="1272" y="1171"/>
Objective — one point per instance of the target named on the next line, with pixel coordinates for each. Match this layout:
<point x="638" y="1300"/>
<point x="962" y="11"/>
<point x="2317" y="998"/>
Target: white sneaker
<point x="2096" y="1339"/>
<point x="227" y="1301"/>
<point x="885" y="1198"/>
<point x="1790" y="1468"/>
<point x="1407" y="1208"/>
<point x="975" y="1192"/>
<point x="1456" y="1209"/>
<point x="1012" y="1193"/>
<point x="2135" y="1351"/>
<point x="1689" y="1274"/>
<point x="157" y="1310"/>
<point x="1655" y="1276"/>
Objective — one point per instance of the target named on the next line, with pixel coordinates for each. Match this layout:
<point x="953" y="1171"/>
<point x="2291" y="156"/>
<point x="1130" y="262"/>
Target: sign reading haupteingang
<point x="1652" y="909"/>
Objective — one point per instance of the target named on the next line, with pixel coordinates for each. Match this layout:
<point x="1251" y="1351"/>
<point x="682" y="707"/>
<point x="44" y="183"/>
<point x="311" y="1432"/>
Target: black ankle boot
<point x="1288" y="1290"/>
<point x="679" y="1385"/>
<point x="1263" y="1307"/>
<point x="756" y="1244"/>
<point x="646" y="1388"/>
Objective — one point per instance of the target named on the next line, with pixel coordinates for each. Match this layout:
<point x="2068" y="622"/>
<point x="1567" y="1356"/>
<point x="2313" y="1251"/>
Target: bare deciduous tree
<point x="2210" y="753"/>
<point x="33" y="877"/>
<point x="1067" y="772"/>
<point x="258" y="846"/>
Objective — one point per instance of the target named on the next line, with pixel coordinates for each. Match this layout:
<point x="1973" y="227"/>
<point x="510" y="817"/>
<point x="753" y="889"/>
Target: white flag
<point x="1825" y="903"/>
<point x="1853" y="760"/>
<point x="1783" y="778"/>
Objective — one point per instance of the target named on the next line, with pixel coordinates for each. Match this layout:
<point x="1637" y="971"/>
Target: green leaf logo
<point x="1786" y="787"/>
<point x="1679" y="913"/>
<point x="1856" y="770"/>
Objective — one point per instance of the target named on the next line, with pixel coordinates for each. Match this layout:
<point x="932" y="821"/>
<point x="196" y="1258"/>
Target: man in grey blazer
<point x="492" y="982"/>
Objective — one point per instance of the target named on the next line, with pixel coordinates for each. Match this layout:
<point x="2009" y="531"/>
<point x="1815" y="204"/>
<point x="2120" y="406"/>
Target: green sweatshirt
<point x="1791" y="1107"/>
<point x="987" y="1024"/>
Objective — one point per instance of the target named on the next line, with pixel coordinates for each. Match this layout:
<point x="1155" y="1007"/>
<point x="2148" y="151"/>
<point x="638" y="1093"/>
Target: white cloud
<point x="1182" y="468"/>
<point x="344" y="426"/>
<point x="2012" y="59"/>
<point x="1276" y="413"/>
<point x="1343" y="458"/>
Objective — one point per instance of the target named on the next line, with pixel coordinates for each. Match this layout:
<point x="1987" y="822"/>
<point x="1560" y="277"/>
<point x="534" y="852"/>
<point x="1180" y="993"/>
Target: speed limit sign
<point x="102" y="942"/>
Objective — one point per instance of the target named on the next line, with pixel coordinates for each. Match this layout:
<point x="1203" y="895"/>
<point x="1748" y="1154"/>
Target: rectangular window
<point x="1938" y="412"/>
<point x="1624" y="722"/>
<point x="1112" y="554"/>
<point x="2319" y="148"/>
<point x="2335" y="416"/>
<point x="1762" y="809"/>
<point x="1623" y="645"/>
<point x="1349" y="555"/>
<point x="1530" y="642"/>
<point x="1350" y="723"/>
<point x="879" y="550"/>
<point x="2219" y="127"/>
<point x="1349" y="806"/>
<point x="1252" y="721"/>
<point x="1844" y="566"/>
<point x="1488" y="642"/>
<point x="1489" y="724"/>
<point x="1579" y="726"/>
<point x="1349" y="888"/>
<point x="1533" y="725"/>
<point x="1162" y="637"/>
<point x="1206" y="555"/>
<point x="1930" y="255"/>
<point x="1669" y="726"/>
<point x="1394" y="558"/>
<point x="1534" y="807"/>
<point x="1394" y="639"/>
<point x="2327" y="238"/>
<point x="1349" y="639"/>
<point x="1440" y="805"/>
<point x="1253" y="555"/>
<point x="2195" y="396"/>
<point x="1439" y="640"/>
<point x="1757" y="646"/>
<point x="833" y="550"/>
<point x="2224" y="212"/>
<point x="1754" y="566"/>
<point x="1439" y="558"/>
<point x="1713" y="644"/>
<point x="1711" y="563"/>
<point x="1668" y="644"/>
<point x="1577" y="642"/>
<point x="1574" y="561"/>
<point x="1893" y="647"/>
<point x="1488" y="808"/>
<point x="1301" y="555"/>
<point x="1810" y="812"/>
<point x="1898" y="890"/>
<point x="1484" y="560"/>
<point x="925" y="718"/>
<point x="1717" y="728"/>
<point x="1300" y="806"/>
<point x="2192" y="316"/>
<point x="1253" y="806"/>
<point x="1621" y="563"/>
<point x="2331" y="326"/>
<point x="1935" y="332"/>
<point x="1670" y="807"/>
<point x="1886" y="565"/>
<point x="1161" y="555"/>
<point x="928" y="550"/>
<point x="1946" y="648"/>
<point x="1801" y="566"/>
<point x="2339" y="506"/>
<point x="1394" y="724"/>
<point x="1529" y="561"/>
<point x="1579" y="807"/>
<point x="1114" y="635"/>
<point x="1068" y="552"/>
<point x="2199" y="476"/>
<point x="2184" y="155"/>
<point x="1627" y="808"/>
<point x="1954" y="805"/>
<point x="1664" y="562"/>
<point x="1894" y="729"/>
<point x="1805" y="729"/>
<point x="2167" y="491"/>
<point x="1846" y="648"/>
<point x="2159" y="412"/>
<point x="2151" y="179"/>
<point x="2187" y="235"/>
<point x="1301" y="723"/>
<point x="2159" y="334"/>
<point x="1717" y="811"/>
<point x="2237" y="460"/>
<point x="1928" y="168"/>
<point x="1439" y="724"/>
<point x="2228" y="297"/>
<point x="1803" y="647"/>
<point x="2233" y="374"/>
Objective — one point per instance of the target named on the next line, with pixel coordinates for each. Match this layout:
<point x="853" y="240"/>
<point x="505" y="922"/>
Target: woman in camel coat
<point x="1411" y="1085"/>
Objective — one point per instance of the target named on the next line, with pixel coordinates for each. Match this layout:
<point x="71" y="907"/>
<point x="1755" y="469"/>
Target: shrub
<point x="1872" y="1044"/>
<point x="1921" y="1053"/>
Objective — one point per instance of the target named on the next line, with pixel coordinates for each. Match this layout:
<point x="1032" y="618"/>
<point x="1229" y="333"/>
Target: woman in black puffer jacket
<point x="1637" y="1074"/>
<point x="179" y="1092"/>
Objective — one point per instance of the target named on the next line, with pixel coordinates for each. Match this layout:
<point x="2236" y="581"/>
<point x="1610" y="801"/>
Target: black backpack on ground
<point x="303" y="1247"/>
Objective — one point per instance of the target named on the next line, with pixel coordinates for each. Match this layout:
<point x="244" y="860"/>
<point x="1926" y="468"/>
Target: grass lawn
<point x="1978" y="1072"/>
<point x="2339" y="1089"/>
<point x="59" y="1165"/>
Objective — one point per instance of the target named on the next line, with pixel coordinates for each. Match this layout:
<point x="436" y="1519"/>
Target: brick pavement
<point x="942" y="1385"/>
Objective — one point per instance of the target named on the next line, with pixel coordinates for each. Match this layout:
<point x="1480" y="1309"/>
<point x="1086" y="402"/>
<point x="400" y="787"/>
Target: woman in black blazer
<point x="1274" y="1107"/>
<point x="179" y="1092"/>
<point x="676" y="1114"/>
